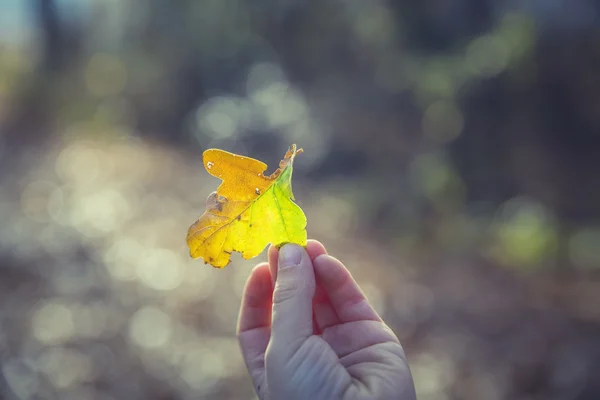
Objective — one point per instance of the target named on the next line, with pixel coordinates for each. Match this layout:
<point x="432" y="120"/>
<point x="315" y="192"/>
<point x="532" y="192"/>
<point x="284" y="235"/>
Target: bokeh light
<point x="53" y="323"/>
<point x="525" y="232"/>
<point x="150" y="327"/>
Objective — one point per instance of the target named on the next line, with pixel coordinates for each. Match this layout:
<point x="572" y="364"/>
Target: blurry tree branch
<point x="50" y="28"/>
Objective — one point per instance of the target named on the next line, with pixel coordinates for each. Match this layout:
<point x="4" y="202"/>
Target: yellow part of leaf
<point x="248" y="211"/>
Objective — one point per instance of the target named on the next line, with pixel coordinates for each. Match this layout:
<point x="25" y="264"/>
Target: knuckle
<point x="284" y="291"/>
<point x="290" y="285"/>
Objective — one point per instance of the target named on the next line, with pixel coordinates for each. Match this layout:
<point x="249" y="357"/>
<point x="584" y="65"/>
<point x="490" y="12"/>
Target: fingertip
<point x="272" y="257"/>
<point x="314" y="248"/>
<point x="258" y="267"/>
<point x="258" y="288"/>
<point x="255" y="311"/>
<point x="330" y="271"/>
<point x="272" y="254"/>
<point x="260" y="272"/>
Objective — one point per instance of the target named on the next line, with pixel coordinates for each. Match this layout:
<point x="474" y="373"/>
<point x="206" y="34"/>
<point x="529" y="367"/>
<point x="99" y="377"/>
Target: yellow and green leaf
<point x="248" y="211"/>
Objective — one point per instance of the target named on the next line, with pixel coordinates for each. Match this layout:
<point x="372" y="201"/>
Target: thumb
<point x="292" y="300"/>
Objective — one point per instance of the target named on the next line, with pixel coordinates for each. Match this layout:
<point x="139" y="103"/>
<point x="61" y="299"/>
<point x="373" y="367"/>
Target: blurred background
<point x="452" y="159"/>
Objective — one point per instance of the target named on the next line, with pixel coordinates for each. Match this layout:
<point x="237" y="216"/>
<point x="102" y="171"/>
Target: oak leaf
<point x="248" y="211"/>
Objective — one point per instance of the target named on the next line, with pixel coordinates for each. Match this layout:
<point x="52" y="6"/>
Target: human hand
<point x="307" y="331"/>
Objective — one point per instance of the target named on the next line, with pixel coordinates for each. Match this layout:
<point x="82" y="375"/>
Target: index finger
<point x="254" y="323"/>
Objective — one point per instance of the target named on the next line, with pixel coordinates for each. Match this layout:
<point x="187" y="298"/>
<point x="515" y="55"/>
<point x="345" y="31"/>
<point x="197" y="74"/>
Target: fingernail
<point x="290" y="255"/>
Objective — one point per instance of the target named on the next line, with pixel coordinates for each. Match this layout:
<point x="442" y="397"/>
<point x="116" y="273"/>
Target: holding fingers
<point x="307" y="331"/>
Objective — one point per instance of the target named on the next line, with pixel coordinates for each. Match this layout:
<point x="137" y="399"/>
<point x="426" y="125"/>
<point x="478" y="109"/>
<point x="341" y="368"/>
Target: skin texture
<point x="307" y="331"/>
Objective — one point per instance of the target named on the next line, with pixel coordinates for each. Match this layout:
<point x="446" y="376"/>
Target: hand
<point x="307" y="331"/>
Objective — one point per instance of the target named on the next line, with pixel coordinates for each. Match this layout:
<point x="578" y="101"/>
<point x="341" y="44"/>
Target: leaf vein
<point x="279" y="209"/>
